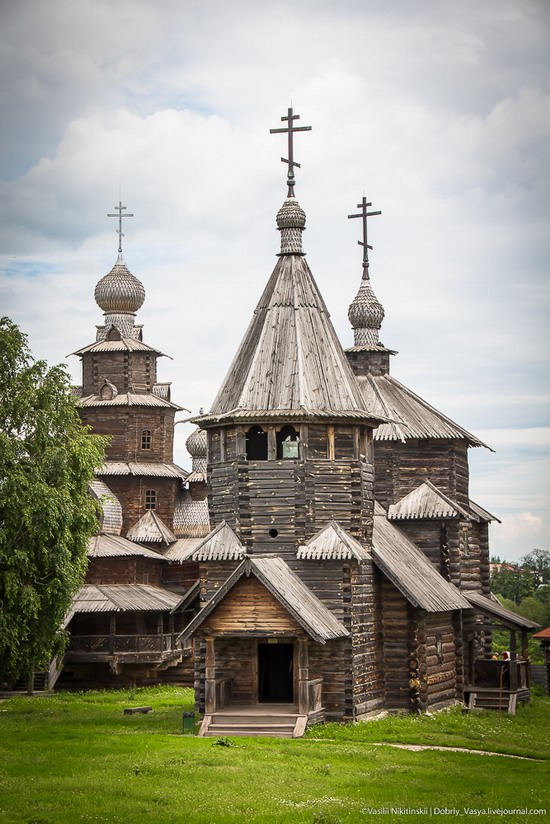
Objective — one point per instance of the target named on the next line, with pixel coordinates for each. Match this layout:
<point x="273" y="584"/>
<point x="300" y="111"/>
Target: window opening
<point x="288" y="443"/>
<point x="146" y="439"/>
<point x="150" y="499"/>
<point x="256" y="444"/>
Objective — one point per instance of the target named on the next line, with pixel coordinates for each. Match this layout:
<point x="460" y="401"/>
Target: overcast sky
<point x="438" y="111"/>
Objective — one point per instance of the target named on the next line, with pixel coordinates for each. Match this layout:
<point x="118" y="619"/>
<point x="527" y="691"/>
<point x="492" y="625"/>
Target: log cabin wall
<point x="401" y="467"/>
<point x="236" y="659"/>
<point x="128" y="371"/>
<point x="180" y="577"/>
<point x="397" y="626"/>
<point x="437" y="656"/>
<point x="330" y="581"/>
<point x="250" y="608"/>
<point x="332" y="663"/>
<point x="431" y="537"/>
<point x="126" y="425"/>
<point x="124" y="571"/>
<point x="213" y="575"/>
<point x="367" y="652"/>
<point x="130" y="490"/>
<point x="369" y="362"/>
<point x="470" y="555"/>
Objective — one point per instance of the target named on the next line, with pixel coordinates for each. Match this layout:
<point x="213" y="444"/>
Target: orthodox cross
<point x="364" y="214"/>
<point x="119" y="231"/>
<point x="289" y="130"/>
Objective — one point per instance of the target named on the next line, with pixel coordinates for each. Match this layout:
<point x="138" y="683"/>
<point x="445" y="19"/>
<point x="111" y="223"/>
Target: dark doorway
<point x="275" y="672"/>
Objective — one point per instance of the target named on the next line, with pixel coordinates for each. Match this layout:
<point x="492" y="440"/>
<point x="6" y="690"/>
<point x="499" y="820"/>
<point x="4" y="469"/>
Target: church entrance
<point x="276" y="673"/>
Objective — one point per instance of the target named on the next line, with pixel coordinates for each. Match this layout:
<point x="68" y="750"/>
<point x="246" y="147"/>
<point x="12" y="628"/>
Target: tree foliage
<point x="515" y="584"/>
<point x="47" y="459"/>
<point x="538" y="563"/>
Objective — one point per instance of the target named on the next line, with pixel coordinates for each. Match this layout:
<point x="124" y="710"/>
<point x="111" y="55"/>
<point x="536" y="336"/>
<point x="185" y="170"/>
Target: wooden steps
<point x="493" y="699"/>
<point x="281" y="721"/>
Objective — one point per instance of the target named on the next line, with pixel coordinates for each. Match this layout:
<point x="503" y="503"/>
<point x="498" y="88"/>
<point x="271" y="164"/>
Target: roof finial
<point x="365" y="214"/>
<point x="290" y="129"/>
<point x="119" y="231"/>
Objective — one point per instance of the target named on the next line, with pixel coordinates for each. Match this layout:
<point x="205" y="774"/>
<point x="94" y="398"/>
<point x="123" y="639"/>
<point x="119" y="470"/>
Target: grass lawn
<point x="76" y="758"/>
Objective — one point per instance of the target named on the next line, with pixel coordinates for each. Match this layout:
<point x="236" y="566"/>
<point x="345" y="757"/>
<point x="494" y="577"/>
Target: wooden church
<point x="323" y="560"/>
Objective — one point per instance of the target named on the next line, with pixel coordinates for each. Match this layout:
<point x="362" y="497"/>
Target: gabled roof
<point x="111" y="521"/>
<point x="288" y="589"/>
<point x="220" y="545"/>
<point x="146" y="469"/>
<point x="150" y="529"/>
<point x="410" y="571"/>
<point x="425" y="502"/>
<point x="544" y="634"/>
<point x="182" y="549"/>
<point x="495" y="610"/>
<point x="115" y="546"/>
<point x="332" y="543"/>
<point x="409" y="415"/>
<point x="290" y="361"/>
<point x="124" y="598"/>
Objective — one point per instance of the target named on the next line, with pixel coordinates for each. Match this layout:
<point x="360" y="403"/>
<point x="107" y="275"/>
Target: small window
<point x="214" y="447"/>
<point x="464" y="544"/>
<point x="146" y="439"/>
<point x="288" y="443"/>
<point x="439" y="647"/>
<point x="150" y="499"/>
<point x="256" y="444"/>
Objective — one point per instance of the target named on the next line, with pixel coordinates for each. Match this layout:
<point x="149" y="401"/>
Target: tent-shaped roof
<point x="150" y="529"/>
<point x="332" y="543"/>
<point x="409" y="415"/>
<point x="410" y="571"/>
<point x="290" y="362"/>
<point x="288" y="589"/>
<point x="425" y="502"/>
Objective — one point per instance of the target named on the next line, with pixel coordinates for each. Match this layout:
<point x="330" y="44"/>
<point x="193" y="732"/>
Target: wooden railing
<point x="314" y="693"/>
<point x="508" y="674"/>
<point x="219" y="693"/>
<point x="113" y="644"/>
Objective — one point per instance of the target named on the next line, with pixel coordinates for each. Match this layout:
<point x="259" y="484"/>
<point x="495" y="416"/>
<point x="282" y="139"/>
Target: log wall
<point x="125" y="425"/>
<point x="249" y="607"/>
<point x="130" y="490"/>
<point x="366" y="648"/>
<point x="124" y="571"/>
<point x="401" y="467"/>
<point x="128" y="371"/>
<point x="437" y="654"/>
<point x="397" y="626"/>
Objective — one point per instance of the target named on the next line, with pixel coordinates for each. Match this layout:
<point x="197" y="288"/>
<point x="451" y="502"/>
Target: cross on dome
<point x="364" y="214"/>
<point x="119" y="231"/>
<point x="290" y="130"/>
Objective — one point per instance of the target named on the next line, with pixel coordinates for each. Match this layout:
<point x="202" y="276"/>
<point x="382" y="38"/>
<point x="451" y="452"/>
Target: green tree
<point x="47" y="459"/>
<point x="538" y="564"/>
<point x="514" y="584"/>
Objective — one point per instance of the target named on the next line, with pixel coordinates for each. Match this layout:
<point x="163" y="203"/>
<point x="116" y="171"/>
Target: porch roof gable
<point x="494" y="609"/>
<point x="288" y="589"/>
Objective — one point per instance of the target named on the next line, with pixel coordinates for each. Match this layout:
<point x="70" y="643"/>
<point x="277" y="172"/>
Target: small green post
<point x="188" y="723"/>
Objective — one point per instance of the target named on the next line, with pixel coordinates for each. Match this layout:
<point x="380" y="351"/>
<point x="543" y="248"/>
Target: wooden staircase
<point x="260" y="720"/>
<point x="487" y="698"/>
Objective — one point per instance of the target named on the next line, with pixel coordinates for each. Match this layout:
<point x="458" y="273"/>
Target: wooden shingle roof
<point x="128" y="399"/>
<point x="410" y="571"/>
<point x="332" y="543"/>
<point x="425" y="502"/>
<point x="146" y="469"/>
<point x="220" y="545"/>
<point x="290" y="362"/>
<point x="407" y="415"/>
<point x="288" y="589"/>
<point x="111" y="520"/>
<point x="494" y="609"/>
<point x="151" y="529"/>
<point x="124" y="598"/>
<point x="115" y="546"/>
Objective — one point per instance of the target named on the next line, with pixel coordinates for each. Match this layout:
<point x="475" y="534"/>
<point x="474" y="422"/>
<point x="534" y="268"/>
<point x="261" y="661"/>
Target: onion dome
<point x="119" y="292"/>
<point x="196" y="445"/>
<point x="291" y="222"/>
<point x="366" y="314"/>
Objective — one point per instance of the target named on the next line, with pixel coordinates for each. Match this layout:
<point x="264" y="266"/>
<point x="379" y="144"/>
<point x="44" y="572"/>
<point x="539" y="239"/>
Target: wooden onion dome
<point x="119" y="294"/>
<point x="366" y="314"/>
<point x="196" y="445"/>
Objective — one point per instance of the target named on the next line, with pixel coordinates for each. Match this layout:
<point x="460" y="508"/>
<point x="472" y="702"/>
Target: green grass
<point x="77" y="758"/>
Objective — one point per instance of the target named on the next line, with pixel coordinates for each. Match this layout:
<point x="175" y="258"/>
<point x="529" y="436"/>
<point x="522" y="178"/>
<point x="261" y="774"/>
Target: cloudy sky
<point x="438" y="111"/>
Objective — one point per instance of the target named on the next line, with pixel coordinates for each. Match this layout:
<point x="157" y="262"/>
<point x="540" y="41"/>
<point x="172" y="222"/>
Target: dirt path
<point x="420" y="747"/>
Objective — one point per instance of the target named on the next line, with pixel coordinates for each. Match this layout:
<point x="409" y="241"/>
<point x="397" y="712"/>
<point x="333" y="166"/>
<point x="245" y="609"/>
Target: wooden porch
<point x="499" y="683"/>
